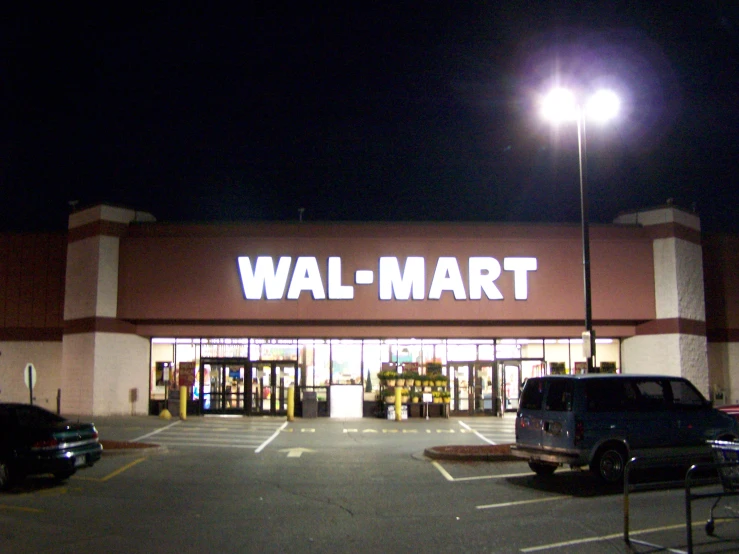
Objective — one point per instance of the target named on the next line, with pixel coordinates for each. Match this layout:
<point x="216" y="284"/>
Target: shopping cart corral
<point x="726" y="464"/>
<point x="722" y="475"/>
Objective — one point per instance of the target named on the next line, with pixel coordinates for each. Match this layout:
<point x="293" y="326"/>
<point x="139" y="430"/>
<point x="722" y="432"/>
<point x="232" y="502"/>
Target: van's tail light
<point x="579" y="431"/>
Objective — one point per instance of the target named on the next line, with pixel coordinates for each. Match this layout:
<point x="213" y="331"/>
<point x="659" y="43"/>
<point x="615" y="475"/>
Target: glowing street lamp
<point x="562" y="105"/>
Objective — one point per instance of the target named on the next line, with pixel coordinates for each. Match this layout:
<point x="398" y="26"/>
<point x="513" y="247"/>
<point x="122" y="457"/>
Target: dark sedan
<point x="732" y="410"/>
<point x="35" y="441"/>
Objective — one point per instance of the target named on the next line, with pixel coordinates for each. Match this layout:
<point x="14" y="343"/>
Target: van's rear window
<point x="533" y="394"/>
<point x="559" y="396"/>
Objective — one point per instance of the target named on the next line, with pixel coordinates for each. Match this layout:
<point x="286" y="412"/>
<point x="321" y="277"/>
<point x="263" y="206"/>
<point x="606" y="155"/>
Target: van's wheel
<point x="542" y="468"/>
<point x="609" y="464"/>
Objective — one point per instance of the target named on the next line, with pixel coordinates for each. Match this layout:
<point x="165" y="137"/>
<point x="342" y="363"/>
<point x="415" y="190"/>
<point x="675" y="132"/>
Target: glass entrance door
<point x="485" y="388"/>
<point x="461" y="388"/>
<point x="270" y="382"/>
<point x="222" y="382"/>
<point x="509" y="378"/>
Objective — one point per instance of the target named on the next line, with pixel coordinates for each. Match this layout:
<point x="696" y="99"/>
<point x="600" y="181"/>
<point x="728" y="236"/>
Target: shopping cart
<point x="726" y="458"/>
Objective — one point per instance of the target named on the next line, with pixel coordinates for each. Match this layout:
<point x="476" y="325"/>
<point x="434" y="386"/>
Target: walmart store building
<point x="119" y="312"/>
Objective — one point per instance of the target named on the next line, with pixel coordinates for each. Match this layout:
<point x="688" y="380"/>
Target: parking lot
<point x="268" y="485"/>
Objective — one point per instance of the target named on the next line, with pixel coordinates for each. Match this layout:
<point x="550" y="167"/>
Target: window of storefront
<point x="346" y="362"/>
<point x="325" y="362"/>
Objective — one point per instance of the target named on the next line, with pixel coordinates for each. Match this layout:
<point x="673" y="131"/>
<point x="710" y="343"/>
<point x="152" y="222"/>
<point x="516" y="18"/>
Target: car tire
<point x="7" y="475"/>
<point x="609" y="464"/>
<point x="542" y="469"/>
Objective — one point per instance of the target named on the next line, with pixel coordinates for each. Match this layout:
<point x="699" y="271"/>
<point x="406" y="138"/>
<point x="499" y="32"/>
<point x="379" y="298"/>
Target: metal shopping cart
<point x="726" y="458"/>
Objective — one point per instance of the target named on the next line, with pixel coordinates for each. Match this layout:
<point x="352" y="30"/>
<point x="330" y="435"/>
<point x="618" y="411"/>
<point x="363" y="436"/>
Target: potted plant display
<point x="433" y="368"/>
<point x="389" y="395"/>
<point x="410" y="378"/>
<point x="389" y="378"/>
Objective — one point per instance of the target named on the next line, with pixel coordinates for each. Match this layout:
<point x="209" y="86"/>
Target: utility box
<point x="310" y="404"/>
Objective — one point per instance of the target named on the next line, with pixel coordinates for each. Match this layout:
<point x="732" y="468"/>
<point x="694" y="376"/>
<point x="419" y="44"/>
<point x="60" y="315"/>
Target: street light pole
<point x="589" y="335"/>
<point x="563" y="105"/>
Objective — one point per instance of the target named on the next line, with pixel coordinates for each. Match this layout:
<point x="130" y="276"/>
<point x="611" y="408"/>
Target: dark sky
<point x="367" y="110"/>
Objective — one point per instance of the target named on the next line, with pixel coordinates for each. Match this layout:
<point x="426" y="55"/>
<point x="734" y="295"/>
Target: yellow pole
<point x="183" y="402"/>
<point x="291" y="403"/>
<point x="397" y="403"/>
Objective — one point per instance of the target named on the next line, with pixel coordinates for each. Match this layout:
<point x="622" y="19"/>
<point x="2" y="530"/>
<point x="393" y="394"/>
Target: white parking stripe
<point x="545" y="547"/>
<point x="142" y="437"/>
<point x="521" y="502"/>
<point x="269" y="440"/>
<point x="463" y="424"/>
<point x="221" y="433"/>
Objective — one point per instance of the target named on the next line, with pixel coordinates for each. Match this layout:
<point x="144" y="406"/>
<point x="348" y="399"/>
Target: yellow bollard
<point x="291" y="403"/>
<point x="397" y="403"/>
<point x="183" y="402"/>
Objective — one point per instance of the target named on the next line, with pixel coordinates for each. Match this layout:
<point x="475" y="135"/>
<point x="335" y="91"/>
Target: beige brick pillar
<point x="105" y="365"/>
<point x="675" y="342"/>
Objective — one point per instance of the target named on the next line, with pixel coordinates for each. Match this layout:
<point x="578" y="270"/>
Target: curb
<point x="486" y="453"/>
<point x="119" y="448"/>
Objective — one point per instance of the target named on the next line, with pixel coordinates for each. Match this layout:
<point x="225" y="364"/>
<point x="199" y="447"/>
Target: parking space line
<point x="449" y="477"/>
<point x="147" y="435"/>
<point x="601" y="538"/>
<point x="443" y="471"/>
<point x="20" y="509"/>
<point x="269" y="440"/>
<point x="501" y="476"/>
<point x="521" y="502"/>
<point x="481" y="437"/>
<point x="113" y="474"/>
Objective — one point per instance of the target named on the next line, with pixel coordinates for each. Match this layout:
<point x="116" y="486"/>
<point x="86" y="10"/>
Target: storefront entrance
<point x="238" y="386"/>
<point x="269" y="383"/>
<point x="472" y="386"/>
<point x="509" y="377"/>
<point x="222" y="382"/>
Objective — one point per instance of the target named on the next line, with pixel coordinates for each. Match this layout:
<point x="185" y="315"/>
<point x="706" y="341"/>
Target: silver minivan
<point x="601" y="421"/>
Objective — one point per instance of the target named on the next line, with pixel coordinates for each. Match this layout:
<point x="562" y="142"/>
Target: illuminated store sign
<point x="263" y="280"/>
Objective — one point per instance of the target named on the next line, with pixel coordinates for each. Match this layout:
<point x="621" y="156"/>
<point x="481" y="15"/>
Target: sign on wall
<point x="261" y="279"/>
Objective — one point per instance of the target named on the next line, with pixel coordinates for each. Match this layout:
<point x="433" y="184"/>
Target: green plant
<point x="411" y="375"/>
<point x="387" y="375"/>
<point x="433" y="368"/>
<point x="443" y="379"/>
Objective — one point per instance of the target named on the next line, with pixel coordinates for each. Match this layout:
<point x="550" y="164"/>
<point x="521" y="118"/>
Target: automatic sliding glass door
<point x="270" y="382"/>
<point x="223" y="385"/>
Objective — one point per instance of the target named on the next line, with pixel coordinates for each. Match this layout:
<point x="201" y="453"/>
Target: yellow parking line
<point x="113" y="474"/>
<point x="20" y="509"/>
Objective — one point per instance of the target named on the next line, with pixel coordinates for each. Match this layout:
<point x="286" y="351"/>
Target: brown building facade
<point x="241" y="312"/>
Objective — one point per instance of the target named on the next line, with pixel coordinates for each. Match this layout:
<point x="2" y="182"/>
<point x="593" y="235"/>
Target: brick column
<point x="103" y="360"/>
<point x="675" y="342"/>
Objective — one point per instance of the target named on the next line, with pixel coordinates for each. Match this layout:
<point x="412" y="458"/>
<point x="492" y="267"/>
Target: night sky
<point x="398" y="111"/>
